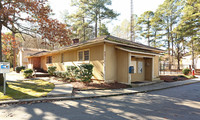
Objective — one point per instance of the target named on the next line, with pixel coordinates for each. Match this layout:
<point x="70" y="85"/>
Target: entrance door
<point x="148" y="69"/>
<point x="36" y="63"/>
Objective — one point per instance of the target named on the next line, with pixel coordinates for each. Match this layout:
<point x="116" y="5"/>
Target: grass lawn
<point x="26" y="89"/>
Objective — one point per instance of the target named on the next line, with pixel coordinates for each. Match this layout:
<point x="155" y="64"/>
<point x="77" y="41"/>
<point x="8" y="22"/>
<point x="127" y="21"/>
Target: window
<point x="62" y="58"/>
<point x="140" y="67"/>
<point x="84" y="55"/>
<point x="80" y="55"/>
<point x="49" y="59"/>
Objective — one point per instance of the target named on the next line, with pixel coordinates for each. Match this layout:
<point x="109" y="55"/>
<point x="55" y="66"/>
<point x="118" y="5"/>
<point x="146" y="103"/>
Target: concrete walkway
<point x="106" y="93"/>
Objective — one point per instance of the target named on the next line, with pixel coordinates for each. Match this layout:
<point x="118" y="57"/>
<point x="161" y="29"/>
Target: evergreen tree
<point x="103" y="30"/>
<point x="145" y="25"/>
<point x="169" y="12"/>
<point x="190" y="25"/>
<point x="97" y="11"/>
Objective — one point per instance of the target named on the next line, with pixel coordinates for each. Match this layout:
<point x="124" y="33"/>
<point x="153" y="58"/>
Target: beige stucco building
<point x="22" y="59"/>
<point x="114" y="59"/>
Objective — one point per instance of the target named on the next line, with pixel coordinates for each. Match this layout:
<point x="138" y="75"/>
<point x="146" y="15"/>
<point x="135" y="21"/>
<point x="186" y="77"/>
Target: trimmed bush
<point x="19" y="68"/>
<point x="86" y="72"/>
<point x="51" y="70"/>
<point x="28" y="73"/>
<point x="72" y="72"/>
<point x="60" y="74"/>
<point x="186" y="71"/>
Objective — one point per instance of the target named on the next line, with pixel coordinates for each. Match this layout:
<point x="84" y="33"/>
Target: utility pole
<point x="132" y="32"/>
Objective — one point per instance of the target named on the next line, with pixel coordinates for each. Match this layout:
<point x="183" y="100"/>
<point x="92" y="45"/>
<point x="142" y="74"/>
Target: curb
<point x="78" y="97"/>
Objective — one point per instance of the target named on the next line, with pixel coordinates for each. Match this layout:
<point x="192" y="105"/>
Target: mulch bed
<point x="97" y="86"/>
<point x="77" y="85"/>
<point x="169" y="78"/>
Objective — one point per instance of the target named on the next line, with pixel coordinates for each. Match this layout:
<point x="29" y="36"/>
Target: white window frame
<point x="83" y="54"/>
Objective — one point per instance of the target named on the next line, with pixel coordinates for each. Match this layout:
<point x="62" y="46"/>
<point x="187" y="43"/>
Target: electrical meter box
<point x="131" y="69"/>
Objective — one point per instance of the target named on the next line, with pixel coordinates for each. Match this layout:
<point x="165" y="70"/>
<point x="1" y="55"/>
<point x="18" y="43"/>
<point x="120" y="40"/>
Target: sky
<point x="119" y="6"/>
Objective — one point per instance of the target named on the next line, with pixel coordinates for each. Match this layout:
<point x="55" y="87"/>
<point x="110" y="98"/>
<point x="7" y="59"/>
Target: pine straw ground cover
<point x="173" y="78"/>
<point x="95" y="85"/>
<point x="25" y="89"/>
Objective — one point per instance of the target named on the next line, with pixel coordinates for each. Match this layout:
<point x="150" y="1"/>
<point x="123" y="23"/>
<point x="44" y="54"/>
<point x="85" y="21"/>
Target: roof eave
<point x="155" y="54"/>
<point x="117" y="43"/>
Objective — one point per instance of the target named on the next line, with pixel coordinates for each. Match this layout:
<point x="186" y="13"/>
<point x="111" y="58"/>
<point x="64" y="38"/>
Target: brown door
<point x="36" y="63"/>
<point x="148" y="69"/>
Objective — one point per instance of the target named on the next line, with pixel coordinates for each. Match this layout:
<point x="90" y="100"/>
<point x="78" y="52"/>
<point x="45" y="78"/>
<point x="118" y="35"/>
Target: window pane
<point x="50" y="57"/>
<point x="140" y="67"/>
<point x="80" y="55"/>
<point x="86" y="55"/>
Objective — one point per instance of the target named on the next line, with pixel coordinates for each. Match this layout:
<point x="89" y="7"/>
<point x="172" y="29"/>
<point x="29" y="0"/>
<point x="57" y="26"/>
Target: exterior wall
<point x="56" y="61"/>
<point x="111" y="63"/>
<point x="71" y="58"/>
<point x="138" y="76"/>
<point x="122" y="66"/>
<point x="156" y="67"/>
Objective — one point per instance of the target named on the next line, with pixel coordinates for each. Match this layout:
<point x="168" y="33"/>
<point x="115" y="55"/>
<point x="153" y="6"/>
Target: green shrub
<point x="175" y="79"/>
<point x="19" y="68"/>
<point x="186" y="71"/>
<point x="60" y="74"/>
<point x="72" y="72"/>
<point x="28" y="73"/>
<point x="86" y="72"/>
<point x="51" y="70"/>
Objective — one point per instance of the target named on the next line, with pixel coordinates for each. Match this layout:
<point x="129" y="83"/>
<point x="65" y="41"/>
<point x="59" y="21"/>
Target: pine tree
<point x="145" y="25"/>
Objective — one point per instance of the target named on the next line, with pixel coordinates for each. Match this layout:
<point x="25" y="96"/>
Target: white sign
<point x="4" y="67"/>
<point x="140" y="67"/>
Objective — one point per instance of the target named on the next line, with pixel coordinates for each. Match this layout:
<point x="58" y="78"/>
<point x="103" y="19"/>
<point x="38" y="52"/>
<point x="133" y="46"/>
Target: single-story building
<point x="114" y="59"/>
<point x="23" y="53"/>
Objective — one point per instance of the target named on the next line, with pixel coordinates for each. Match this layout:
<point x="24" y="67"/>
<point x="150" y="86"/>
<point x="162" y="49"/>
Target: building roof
<point x="32" y="49"/>
<point x="106" y="39"/>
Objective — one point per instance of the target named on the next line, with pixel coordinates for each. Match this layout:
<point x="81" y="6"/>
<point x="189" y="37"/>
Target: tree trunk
<point x="1" y="75"/>
<point x="14" y="52"/>
<point x="193" y="54"/>
<point x="171" y="35"/>
<point x="84" y="33"/>
<point x="168" y="42"/>
<point x="178" y="56"/>
<point x="155" y="37"/>
<point x="96" y="25"/>
<point x="148" y="32"/>
<point x="100" y="32"/>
